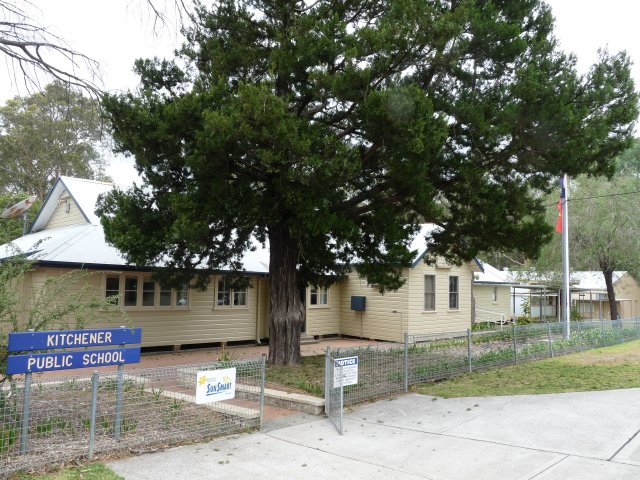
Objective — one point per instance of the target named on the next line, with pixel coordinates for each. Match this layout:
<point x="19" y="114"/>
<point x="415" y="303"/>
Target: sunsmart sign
<point x="59" y="339"/>
<point x="349" y="371"/>
<point x="215" y="385"/>
<point x="56" y="339"/>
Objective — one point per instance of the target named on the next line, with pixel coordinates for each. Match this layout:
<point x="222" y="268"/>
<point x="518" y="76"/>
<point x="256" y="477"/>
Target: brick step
<point x="277" y="398"/>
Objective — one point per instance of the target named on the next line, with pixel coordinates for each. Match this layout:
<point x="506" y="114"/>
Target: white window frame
<point x="321" y="293"/>
<point x="425" y="309"/>
<point x="140" y="276"/>
<point x="455" y="293"/>
<point x="232" y="295"/>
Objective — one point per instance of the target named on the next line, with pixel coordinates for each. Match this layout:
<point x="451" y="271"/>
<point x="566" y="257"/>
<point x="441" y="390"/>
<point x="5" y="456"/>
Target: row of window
<point x="142" y="291"/>
<point x="430" y="293"/>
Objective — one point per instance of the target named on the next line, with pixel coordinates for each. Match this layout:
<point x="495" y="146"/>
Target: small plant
<point x="575" y="314"/>
<point x="128" y="424"/>
<point x="44" y="426"/>
<point x="106" y="423"/>
<point x="7" y="438"/>
<point x="483" y="326"/>
<point x="157" y="392"/>
<point x="175" y="406"/>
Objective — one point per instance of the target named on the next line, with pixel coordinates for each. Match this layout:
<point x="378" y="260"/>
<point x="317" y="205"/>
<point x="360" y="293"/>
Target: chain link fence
<point x="424" y="358"/>
<point x="148" y="409"/>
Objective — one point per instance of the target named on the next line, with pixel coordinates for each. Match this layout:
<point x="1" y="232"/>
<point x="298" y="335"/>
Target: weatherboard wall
<point x="66" y="213"/>
<point x="200" y="322"/>
<point x="490" y="310"/>
<point x="384" y="317"/>
<point x="324" y="319"/>
<point x="443" y="319"/>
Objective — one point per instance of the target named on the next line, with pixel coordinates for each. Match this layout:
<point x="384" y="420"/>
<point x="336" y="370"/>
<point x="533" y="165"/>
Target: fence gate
<point x="333" y="391"/>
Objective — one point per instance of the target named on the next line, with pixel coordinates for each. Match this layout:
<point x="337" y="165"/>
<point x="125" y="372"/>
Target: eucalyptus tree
<point x="47" y="134"/>
<point x="333" y="129"/>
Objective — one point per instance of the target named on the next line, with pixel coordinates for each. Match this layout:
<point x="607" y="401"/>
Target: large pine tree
<point x="332" y="129"/>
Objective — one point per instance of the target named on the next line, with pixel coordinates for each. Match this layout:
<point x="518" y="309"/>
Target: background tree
<point x="47" y="134"/>
<point x="603" y="226"/>
<point x="12" y="228"/>
<point x="333" y="129"/>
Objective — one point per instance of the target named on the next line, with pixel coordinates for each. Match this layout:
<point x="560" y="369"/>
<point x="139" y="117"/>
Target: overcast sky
<point x="116" y="32"/>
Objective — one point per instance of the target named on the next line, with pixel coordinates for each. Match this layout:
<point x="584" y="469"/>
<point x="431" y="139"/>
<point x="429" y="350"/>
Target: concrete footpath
<point x="587" y="435"/>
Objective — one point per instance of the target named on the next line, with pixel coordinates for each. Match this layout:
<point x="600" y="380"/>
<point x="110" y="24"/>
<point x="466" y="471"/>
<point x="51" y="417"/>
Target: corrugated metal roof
<point x="85" y="244"/>
<point x="490" y="274"/>
<point x="593" y="280"/>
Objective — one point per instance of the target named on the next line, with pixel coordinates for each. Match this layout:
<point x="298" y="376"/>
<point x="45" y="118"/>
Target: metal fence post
<point x="24" y="431"/>
<point x="637" y="331"/>
<point x="92" y="424"/>
<point x="341" y="400"/>
<point x="327" y="383"/>
<point x="406" y="362"/>
<point x="579" y="336"/>
<point x="549" y="337"/>
<point x="263" y="377"/>
<point x="469" y="350"/>
<point x="118" y="425"/>
<point x="515" y="348"/>
<point x="602" y="340"/>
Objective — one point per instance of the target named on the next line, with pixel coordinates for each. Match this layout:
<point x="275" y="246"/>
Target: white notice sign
<point x="215" y="385"/>
<point x="349" y="371"/>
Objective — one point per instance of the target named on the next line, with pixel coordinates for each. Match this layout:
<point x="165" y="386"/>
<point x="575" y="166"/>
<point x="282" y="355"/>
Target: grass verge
<point x="600" y="369"/>
<point x="94" y="471"/>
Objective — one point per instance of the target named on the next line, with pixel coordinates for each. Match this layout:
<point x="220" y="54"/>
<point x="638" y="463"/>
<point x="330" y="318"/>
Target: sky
<point x="116" y="32"/>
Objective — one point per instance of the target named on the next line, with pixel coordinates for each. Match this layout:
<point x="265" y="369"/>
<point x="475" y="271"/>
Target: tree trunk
<point x="287" y="310"/>
<point x="611" y="294"/>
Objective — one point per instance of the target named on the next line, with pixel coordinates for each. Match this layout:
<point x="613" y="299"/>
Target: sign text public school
<point x="44" y="362"/>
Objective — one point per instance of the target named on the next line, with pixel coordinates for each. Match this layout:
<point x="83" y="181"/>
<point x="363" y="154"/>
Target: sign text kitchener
<point x="74" y="339"/>
<point x="65" y="339"/>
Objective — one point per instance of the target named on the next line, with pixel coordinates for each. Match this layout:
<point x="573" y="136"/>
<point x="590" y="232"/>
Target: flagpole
<point x="566" y="292"/>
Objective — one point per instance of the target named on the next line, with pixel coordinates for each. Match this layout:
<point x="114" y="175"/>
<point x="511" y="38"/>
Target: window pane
<point x="182" y="296"/>
<point x="453" y="292"/>
<point x="429" y="292"/>
<point x="313" y="296"/>
<point x="112" y="286"/>
<point x="240" y="298"/>
<point x="223" y="294"/>
<point x="148" y="292"/>
<point x="165" y="296"/>
<point x="324" y="296"/>
<point x="130" y="291"/>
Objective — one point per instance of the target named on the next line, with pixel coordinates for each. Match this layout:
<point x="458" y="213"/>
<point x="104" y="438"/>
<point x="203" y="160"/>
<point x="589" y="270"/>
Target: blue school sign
<point x="59" y="339"/>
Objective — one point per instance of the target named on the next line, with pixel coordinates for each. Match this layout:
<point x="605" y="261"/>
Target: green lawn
<point x="308" y="377"/>
<point x="601" y="369"/>
<point x="94" y="471"/>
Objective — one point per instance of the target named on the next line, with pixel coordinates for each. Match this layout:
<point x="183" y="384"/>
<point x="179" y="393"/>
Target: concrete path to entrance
<point x="586" y="436"/>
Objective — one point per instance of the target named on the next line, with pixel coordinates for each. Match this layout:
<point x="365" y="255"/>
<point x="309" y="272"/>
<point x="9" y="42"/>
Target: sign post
<point x="50" y="361"/>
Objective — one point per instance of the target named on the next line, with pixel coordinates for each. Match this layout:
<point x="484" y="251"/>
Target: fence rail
<point x="423" y="358"/>
<point x="157" y="409"/>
